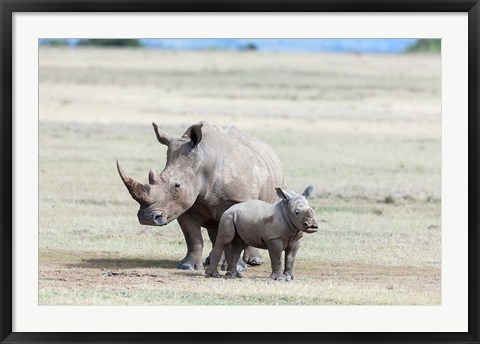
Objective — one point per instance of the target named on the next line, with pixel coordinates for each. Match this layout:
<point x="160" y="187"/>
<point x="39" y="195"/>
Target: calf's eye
<point x="297" y="212"/>
<point x="177" y="184"/>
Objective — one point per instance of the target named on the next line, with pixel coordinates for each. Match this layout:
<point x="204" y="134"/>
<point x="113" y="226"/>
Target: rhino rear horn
<point x="154" y="177"/>
<point x="138" y="190"/>
<point x="162" y="136"/>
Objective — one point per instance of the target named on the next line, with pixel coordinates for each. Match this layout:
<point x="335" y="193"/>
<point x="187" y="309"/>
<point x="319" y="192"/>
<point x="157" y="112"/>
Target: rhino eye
<point x="177" y="184"/>
<point x="297" y="212"/>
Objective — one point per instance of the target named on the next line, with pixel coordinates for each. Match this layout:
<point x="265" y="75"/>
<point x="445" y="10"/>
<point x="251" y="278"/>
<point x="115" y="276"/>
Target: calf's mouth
<point x="311" y="226"/>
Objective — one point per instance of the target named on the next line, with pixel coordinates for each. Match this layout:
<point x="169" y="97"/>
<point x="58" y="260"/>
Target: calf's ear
<point x="283" y="194"/>
<point x="162" y="136"/>
<point x="308" y="192"/>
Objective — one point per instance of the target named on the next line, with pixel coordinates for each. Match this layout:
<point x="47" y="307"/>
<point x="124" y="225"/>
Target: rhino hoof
<point x="185" y="266"/>
<point x="233" y="275"/>
<point x="190" y="264"/>
<point x="255" y="261"/>
<point x="241" y="266"/>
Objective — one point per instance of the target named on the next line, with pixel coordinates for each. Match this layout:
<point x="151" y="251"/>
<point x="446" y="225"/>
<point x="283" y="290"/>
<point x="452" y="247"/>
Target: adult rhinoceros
<point x="208" y="170"/>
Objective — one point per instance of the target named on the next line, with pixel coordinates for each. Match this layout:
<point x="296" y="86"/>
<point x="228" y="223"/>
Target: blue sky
<point x="312" y="45"/>
<point x="370" y="45"/>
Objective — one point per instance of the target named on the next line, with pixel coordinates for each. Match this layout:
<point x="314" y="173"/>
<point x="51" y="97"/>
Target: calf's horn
<point x="137" y="190"/>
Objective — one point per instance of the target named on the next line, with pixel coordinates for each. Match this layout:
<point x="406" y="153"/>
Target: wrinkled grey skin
<point x="276" y="227"/>
<point x="208" y="170"/>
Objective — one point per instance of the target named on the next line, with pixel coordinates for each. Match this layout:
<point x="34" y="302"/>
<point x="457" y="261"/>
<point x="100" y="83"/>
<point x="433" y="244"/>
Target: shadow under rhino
<point x="124" y="263"/>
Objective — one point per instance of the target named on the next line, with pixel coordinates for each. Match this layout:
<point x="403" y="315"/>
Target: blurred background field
<point x="365" y="129"/>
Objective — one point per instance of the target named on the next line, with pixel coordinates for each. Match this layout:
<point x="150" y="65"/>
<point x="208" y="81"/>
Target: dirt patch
<point x="118" y="275"/>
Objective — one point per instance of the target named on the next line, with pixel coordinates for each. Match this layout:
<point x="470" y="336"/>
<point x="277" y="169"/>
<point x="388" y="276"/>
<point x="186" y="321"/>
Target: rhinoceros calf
<point x="208" y="170"/>
<point x="276" y="227"/>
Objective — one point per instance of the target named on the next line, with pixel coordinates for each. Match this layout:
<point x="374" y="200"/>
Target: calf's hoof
<point x="209" y="273"/>
<point x="241" y="266"/>
<point x="289" y="276"/>
<point x="278" y="277"/>
<point x="233" y="275"/>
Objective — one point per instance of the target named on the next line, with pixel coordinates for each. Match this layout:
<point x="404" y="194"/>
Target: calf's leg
<point x="233" y="256"/>
<point x="290" y="253"/>
<point x="225" y="234"/>
<point x="215" y="255"/>
<point x="212" y="234"/>
<point x="275" y="249"/>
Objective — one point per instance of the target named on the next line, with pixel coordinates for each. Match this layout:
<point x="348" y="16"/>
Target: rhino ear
<point x="162" y="136"/>
<point x="195" y="133"/>
<point x="309" y="192"/>
<point x="283" y="194"/>
<point x="153" y="177"/>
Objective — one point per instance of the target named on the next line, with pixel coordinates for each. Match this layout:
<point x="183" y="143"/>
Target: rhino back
<point x="236" y="168"/>
<point x="252" y="164"/>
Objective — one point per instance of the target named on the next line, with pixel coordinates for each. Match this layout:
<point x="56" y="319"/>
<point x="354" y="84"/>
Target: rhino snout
<point x="152" y="218"/>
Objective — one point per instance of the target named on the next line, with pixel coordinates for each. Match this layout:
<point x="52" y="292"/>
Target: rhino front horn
<point x="138" y="191"/>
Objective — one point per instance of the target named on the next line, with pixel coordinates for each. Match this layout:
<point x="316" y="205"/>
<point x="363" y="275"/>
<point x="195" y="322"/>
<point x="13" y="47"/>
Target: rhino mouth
<point x="160" y="220"/>
<point x="153" y="222"/>
<point x="153" y="219"/>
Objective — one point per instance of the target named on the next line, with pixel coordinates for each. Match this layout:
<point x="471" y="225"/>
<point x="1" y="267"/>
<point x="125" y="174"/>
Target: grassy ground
<point x="365" y="130"/>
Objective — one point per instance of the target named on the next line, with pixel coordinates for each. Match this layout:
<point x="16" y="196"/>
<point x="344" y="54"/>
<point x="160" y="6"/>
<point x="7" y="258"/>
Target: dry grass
<point x="364" y="129"/>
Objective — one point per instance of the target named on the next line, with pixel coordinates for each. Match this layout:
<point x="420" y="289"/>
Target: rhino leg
<point x="252" y="256"/>
<point x="193" y="236"/>
<point x="290" y="254"/>
<point x="275" y="249"/>
<point x="234" y="256"/>
<point x="212" y="234"/>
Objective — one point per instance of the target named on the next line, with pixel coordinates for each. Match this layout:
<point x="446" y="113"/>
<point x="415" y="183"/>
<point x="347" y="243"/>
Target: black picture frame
<point x="9" y="7"/>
